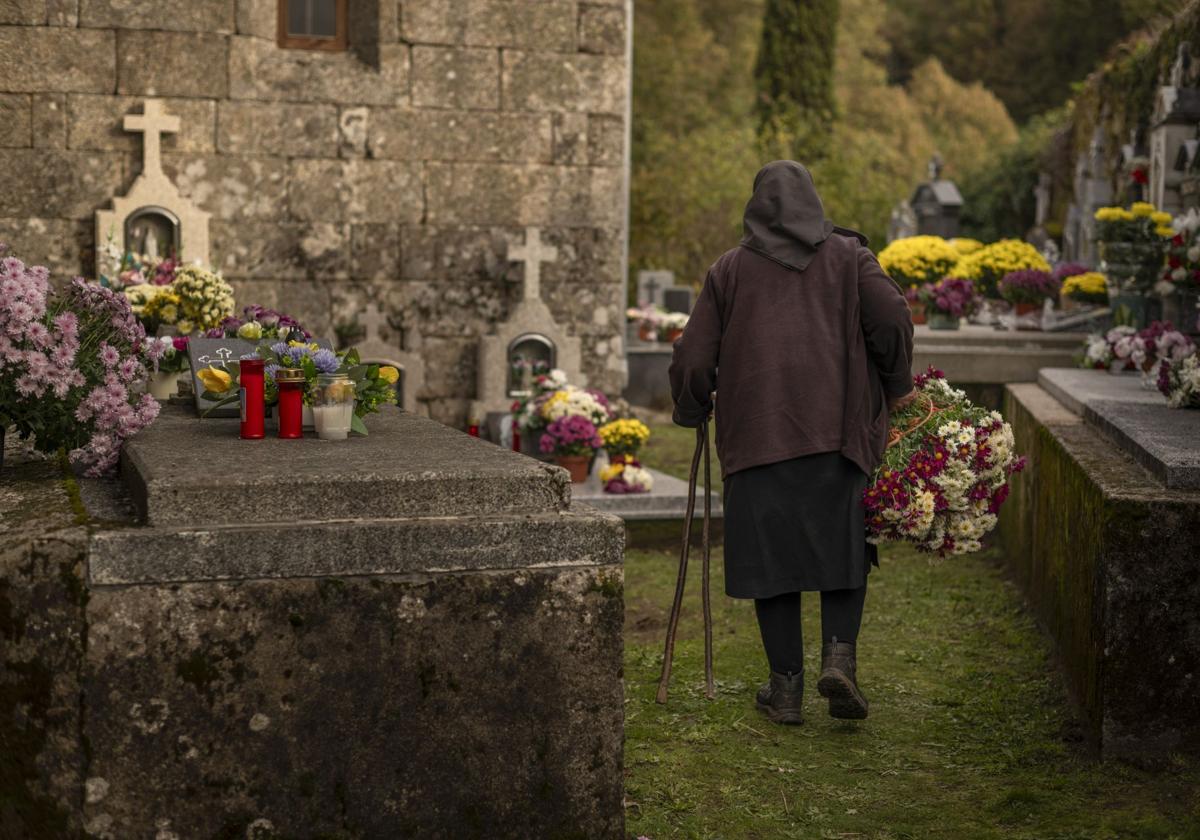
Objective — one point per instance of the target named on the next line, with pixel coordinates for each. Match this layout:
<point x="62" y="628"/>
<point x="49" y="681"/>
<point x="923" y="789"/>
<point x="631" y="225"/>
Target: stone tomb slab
<point x="667" y="500"/>
<point x="1163" y="440"/>
<point x="183" y="471"/>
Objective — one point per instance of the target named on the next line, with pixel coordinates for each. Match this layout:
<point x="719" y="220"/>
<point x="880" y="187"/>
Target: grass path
<point x="970" y="734"/>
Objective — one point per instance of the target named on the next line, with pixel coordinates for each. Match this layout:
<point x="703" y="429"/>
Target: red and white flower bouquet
<point x="945" y="473"/>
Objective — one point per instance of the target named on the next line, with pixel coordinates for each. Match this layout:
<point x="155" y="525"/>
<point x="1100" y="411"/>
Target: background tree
<point x="794" y="73"/>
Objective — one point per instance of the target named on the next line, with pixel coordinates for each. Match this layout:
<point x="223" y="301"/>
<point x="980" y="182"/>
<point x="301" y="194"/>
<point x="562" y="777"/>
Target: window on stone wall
<point x="312" y="24"/>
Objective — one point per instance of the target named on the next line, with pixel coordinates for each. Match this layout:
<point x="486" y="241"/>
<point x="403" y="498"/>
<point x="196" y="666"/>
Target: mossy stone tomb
<point x="410" y="634"/>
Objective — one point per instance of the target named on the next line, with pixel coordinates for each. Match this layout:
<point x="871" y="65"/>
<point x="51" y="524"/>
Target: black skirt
<point x="796" y="526"/>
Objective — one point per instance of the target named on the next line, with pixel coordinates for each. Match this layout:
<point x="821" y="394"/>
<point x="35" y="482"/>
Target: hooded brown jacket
<point x="807" y="359"/>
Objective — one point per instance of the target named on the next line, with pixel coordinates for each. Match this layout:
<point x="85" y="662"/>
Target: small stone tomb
<point x="152" y="219"/>
<point x="527" y="341"/>
<point x="373" y="350"/>
<point x="937" y="203"/>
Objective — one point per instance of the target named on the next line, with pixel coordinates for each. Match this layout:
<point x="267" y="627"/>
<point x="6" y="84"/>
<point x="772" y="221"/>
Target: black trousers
<point x="779" y="623"/>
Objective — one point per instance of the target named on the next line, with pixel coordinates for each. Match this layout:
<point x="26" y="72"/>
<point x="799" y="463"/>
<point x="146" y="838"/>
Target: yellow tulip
<point x="389" y="374"/>
<point x="215" y="381"/>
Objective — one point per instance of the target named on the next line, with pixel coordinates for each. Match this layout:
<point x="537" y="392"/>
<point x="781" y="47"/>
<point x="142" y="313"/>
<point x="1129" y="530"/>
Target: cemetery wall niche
<point x="395" y="171"/>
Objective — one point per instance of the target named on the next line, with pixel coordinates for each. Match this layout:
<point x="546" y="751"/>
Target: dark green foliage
<point x="794" y="73"/>
<point x="1029" y="52"/>
<point x="998" y="198"/>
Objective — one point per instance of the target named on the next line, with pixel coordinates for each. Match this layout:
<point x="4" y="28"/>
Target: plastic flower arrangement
<point x="373" y="384"/>
<point x="1156" y="345"/>
<point x="1179" y="382"/>
<point x="624" y="437"/>
<point x="626" y="475"/>
<point x="916" y="260"/>
<point x="1029" y="285"/>
<point x="205" y="300"/>
<point x="945" y="473"/>
<point x="71" y="375"/>
<point x="1087" y="287"/>
<point x="952" y="296"/>
<point x="527" y="410"/>
<point x="1116" y="345"/>
<point x="167" y="354"/>
<point x="576" y="402"/>
<point x="119" y="270"/>
<point x="258" y="323"/>
<point x="990" y="263"/>
<point x="570" y="434"/>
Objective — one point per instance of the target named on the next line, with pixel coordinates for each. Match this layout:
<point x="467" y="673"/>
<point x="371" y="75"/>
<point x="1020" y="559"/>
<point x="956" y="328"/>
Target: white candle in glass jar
<point x="333" y="420"/>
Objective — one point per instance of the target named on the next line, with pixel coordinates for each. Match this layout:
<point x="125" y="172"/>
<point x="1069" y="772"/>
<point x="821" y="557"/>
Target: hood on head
<point x="785" y="219"/>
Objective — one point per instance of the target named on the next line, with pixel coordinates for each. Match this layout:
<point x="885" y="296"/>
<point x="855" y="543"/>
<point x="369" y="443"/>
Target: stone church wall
<point x="397" y="170"/>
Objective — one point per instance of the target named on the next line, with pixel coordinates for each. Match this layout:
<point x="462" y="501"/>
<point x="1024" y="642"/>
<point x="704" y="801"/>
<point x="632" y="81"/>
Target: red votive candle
<point x="291" y="402"/>
<point x="516" y="437"/>
<point x="252" y="391"/>
<point x="473" y="428"/>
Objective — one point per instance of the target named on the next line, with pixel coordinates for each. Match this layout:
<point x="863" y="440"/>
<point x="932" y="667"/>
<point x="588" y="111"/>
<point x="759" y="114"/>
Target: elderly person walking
<point x="808" y="344"/>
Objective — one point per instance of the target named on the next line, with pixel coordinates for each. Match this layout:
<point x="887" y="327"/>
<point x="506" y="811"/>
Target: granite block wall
<point x="397" y="170"/>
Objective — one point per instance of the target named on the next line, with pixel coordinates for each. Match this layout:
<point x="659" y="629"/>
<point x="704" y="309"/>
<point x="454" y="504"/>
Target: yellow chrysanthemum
<point x="965" y="245"/>
<point x="1166" y="232"/>
<point x="1161" y="218"/>
<point x="1142" y="208"/>
<point x="1089" y="284"/>
<point x="1113" y="214"/>
<point x="986" y="266"/>
<point x="918" y="259"/>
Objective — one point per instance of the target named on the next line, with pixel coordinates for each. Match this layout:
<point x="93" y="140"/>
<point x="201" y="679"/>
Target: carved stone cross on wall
<point x="153" y="122"/>
<point x="533" y="253"/>
<point x="372" y="320"/>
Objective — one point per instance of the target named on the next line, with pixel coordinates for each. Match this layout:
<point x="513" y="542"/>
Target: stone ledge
<point x="354" y="548"/>
<point x="1163" y="440"/>
<point x="179" y="469"/>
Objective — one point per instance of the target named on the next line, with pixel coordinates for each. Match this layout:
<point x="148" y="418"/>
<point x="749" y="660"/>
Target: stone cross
<point x="372" y="320"/>
<point x="533" y="253"/>
<point x="153" y="122"/>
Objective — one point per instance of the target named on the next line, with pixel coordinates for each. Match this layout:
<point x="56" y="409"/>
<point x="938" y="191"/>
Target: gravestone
<point x="937" y="203"/>
<point x="902" y="223"/>
<point x="651" y="285"/>
<point x="152" y="218"/>
<point x="529" y="323"/>
<point x="678" y="299"/>
<point x="374" y="350"/>
<point x="1172" y="125"/>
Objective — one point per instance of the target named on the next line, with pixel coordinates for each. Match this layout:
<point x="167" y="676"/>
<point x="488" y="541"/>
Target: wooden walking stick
<point x="673" y="620"/>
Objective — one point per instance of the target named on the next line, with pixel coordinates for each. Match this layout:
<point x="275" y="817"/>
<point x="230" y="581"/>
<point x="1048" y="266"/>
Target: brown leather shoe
<point x="839" y="681"/>
<point x="782" y="699"/>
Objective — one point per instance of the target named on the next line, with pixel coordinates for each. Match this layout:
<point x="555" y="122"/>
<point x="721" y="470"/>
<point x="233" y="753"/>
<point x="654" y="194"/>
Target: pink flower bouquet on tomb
<point x="944" y="474"/>
<point x="71" y="366"/>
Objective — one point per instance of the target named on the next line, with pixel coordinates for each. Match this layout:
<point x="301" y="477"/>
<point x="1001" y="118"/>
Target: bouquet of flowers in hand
<point x="70" y="372"/>
<point x="258" y="323"/>
<point x="945" y="473"/>
<point x="626" y="475"/>
<point x="1179" y="382"/>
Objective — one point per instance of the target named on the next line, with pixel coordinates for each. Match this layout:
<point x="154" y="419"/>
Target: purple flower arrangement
<point x="270" y="324"/>
<point x="71" y="374"/>
<point x="952" y="296"/>
<point x="1029" y="285"/>
<point x="571" y="435"/>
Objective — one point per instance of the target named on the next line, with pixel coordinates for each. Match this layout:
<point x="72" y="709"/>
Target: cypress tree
<point x="794" y="75"/>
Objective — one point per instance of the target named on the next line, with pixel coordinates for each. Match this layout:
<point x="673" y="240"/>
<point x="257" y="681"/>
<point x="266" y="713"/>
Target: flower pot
<point x="1027" y="308"/>
<point x="918" y="312"/>
<point x="577" y="465"/>
<point x="162" y="384"/>
<point x="943" y="321"/>
<point x="1131" y="267"/>
<point x="647" y="333"/>
<point x="673" y="336"/>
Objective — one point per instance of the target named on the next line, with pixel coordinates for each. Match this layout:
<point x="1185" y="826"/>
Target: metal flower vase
<point x="1132" y="269"/>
